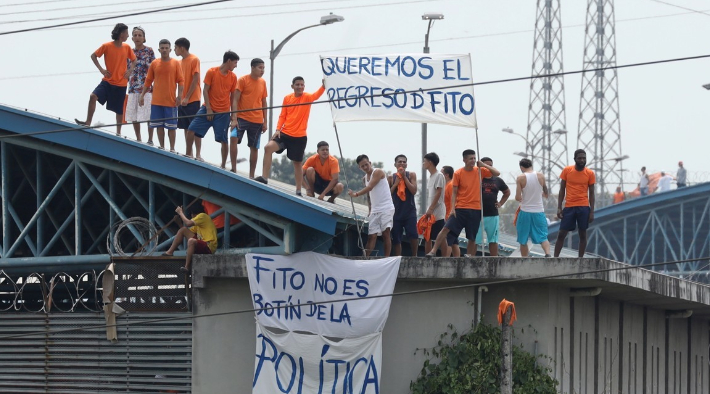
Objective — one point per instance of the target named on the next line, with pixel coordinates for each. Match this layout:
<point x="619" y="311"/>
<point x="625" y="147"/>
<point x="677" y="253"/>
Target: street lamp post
<point x="325" y="20"/>
<point x="431" y="17"/>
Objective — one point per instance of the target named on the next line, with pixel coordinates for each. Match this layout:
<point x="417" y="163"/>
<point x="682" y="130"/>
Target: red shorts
<point x="201" y="247"/>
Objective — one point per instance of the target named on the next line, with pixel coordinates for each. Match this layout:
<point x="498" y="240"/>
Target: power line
<point x="168" y="12"/>
<point x="371" y="46"/>
<point x="681" y="7"/>
<point x="77" y="7"/>
<point x="112" y="17"/>
<point x="403" y="293"/>
<point x="149" y="23"/>
<point x="36" y="2"/>
<point x="496" y="81"/>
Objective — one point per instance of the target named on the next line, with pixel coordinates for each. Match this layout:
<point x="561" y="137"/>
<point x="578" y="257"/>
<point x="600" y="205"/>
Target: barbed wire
<point x="399" y="294"/>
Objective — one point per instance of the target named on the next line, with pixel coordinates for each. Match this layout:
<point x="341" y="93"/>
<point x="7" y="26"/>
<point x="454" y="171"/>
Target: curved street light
<point x="324" y="20"/>
<point x="431" y="17"/>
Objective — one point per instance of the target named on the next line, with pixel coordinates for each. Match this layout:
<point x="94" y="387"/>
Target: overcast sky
<point x="663" y="108"/>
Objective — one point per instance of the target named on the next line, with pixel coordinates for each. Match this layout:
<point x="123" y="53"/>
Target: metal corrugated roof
<point x="106" y="149"/>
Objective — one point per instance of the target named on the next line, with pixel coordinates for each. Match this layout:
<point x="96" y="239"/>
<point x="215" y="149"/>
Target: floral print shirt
<point x="144" y="57"/>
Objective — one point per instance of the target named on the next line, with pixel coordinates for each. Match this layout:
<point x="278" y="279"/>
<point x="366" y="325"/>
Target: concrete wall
<point x="596" y="344"/>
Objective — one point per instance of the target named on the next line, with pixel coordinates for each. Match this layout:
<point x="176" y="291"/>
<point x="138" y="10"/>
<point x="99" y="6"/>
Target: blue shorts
<point x="186" y="112"/>
<point x="253" y="131"/>
<point x="111" y="95"/>
<point x="531" y="225"/>
<point x="407" y="226"/>
<point x="490" y="226"/>
<point x="574" y="217"/>
<point x="219" y="123"/>
<point x="162" y="116"/>
<point x="469" y="219"/>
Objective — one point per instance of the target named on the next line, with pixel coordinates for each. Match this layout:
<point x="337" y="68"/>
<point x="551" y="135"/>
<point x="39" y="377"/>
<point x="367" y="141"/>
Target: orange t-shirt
<point x="619" y="197"/>
<point x="191" y="65"/>
<point x="253" y="95"/>
<point x="293" y="121"/>
<point x="577" y="190"/>
<point x="468" y="195"/>
<point x="448" y="192"/>
<point x="167" y="76"/>
<point x="221" y="88"/>
<point x="116" y="61"/>
<point x="325" y="170"/>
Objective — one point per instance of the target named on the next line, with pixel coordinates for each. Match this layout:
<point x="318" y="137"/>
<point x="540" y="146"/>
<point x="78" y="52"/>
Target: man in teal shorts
<point x="491" y="187"/>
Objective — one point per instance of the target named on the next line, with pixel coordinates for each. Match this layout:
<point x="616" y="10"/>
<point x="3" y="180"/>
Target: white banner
<point x="423" y="88"/>
<point x="313" y="277"/>
<point x="305" y="363"/>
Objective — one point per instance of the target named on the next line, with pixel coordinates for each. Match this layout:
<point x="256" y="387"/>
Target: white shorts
<point x="379" y="222"/>
<point x="136" y="113"/>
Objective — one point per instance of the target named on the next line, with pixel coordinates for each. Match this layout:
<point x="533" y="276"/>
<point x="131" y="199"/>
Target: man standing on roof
<point x="681" y="175"/>
<point x="112" y="89"/>
<point x="136" y="113"/>
<point x="664" y="184"/>
<point x="190" y="100"/>
<point x="291" y="133"/>
<point x="251" y="94"/>
<point x="167" y="74"/>
<point x="619" y="196"/>
<point x="220" y="97"/>
<point x="448" y="172"/>
<point x="577" y="194"/>
<point x="466" y="199"/>
<point x="436" y="208"/>
<point x="643" y="182"/>
<point x="531" y="222"/>
<point x="403" y="186"/>
<point x="491" y="220"/>
<point x="322" y="172"/>
<point x="379" y="204"/>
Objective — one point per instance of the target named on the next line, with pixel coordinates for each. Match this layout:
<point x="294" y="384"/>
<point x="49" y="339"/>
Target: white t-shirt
<point x="437" y="181"/>
<point x="664" y="184"/>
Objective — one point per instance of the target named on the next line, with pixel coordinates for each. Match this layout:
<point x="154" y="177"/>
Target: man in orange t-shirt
<point x="190" y="100"/>
<point x="112" y="89"/>
<point x="167" y="75"/>
<point x="619" y="196"/>
<point x="291" y="128"/>
<point x="251" y="93"/>
<point x="466" y="200"/>
<point x="322" y="171"/>
<point x="220" y="97"/>
<point x="577" y="194"/>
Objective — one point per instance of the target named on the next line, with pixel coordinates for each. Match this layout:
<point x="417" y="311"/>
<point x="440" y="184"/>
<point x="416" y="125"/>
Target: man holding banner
<point x="379" y="203"/>
<point x="466" y="200"/>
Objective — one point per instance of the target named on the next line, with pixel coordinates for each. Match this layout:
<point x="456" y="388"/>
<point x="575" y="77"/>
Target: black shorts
<point x="436" y="229"/>
<point x="320" y="184"/>
<point x="187" y="110"/>
<point x="575" y="217"/>
<point x="111" y="95"/>
<point x="295" y="146"/>
<point x="469" y="219"/>
<point x="252" y="130"/>
<point x="404" y="228"/>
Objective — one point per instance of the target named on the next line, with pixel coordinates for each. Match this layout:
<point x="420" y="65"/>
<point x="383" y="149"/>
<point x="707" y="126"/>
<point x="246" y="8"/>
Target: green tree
<point x="350" y="174"/>
<point x="470" y="363"/>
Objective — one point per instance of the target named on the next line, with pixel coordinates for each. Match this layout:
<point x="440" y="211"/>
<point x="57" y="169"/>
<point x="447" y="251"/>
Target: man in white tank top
<point x="531" y="221"/>
<point x="379" y="203"/>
